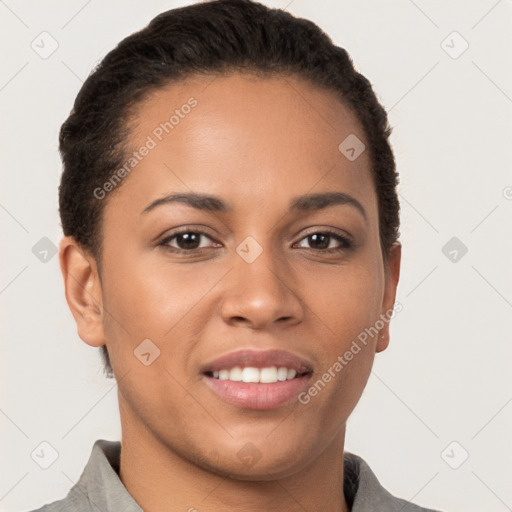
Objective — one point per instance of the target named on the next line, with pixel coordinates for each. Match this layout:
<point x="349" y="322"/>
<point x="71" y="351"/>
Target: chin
<point x="248" y="462"/>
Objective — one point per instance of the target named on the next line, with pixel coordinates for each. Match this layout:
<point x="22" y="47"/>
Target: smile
<point x="258" y="379"/>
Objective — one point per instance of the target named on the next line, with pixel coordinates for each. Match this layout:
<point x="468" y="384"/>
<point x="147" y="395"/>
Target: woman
<point x="231" y="223"/>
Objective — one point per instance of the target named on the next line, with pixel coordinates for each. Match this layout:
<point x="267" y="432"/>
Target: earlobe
<point x="83" y="291"/>
<point x="383" y="341"/>
<point x="392" y="275"/>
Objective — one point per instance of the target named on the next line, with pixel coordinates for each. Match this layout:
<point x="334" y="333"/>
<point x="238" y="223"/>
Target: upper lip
<point x="259" y="359"/>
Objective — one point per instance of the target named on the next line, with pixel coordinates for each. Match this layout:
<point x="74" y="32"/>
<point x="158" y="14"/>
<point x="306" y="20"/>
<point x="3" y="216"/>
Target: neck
<point x="160" y="480"/>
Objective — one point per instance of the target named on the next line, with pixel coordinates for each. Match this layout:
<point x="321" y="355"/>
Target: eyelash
<point x="345" y="243"/>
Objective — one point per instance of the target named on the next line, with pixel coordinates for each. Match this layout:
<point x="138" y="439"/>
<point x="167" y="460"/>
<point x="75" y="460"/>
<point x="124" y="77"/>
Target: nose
<point x="260" y="294"/>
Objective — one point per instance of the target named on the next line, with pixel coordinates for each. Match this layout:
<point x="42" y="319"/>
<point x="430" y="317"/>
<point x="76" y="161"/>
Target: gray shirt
<point x="99" y="488"/>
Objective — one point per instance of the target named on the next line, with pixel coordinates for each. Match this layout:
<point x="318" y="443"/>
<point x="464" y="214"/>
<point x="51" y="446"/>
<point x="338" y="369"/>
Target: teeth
<point x="282" y="374"/>
<point x="250" y="374"/>
<point x="291" y="374"/>
<point x="268" y="375"/>
<point x="236" y="374"/>
<point x="224" y="375"/>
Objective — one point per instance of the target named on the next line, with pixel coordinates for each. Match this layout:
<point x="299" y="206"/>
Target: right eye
<point x="185" y="241"/>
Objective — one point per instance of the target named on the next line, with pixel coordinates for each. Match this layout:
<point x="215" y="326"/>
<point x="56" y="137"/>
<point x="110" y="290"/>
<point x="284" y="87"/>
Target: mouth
<point x="258" y="379"/>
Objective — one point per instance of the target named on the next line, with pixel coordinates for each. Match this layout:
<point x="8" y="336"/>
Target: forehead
<point x="245" y="136"/>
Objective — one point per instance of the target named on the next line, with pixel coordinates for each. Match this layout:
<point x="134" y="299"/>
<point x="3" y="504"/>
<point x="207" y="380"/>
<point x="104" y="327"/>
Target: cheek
<point x="151" y="299"/>
<point x="347" y="301"/>
<point x="346" y="308"/>
<point x="167" y="304"/>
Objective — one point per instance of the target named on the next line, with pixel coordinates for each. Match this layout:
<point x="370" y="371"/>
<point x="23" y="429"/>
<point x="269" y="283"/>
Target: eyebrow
<point x="307" y="202"/>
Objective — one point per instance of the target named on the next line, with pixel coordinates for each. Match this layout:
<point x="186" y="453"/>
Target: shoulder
<point x="365" y="493"/>
<point x="76" y="502"/>
<point x="96" y="485"/>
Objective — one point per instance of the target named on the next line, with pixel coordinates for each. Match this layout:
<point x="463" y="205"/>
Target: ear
<point x="391" y="276"/>
<point x="83" y="291"/>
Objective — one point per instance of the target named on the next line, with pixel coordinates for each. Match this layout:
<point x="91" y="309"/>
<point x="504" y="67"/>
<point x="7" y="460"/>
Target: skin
<point x="256" y="143"/>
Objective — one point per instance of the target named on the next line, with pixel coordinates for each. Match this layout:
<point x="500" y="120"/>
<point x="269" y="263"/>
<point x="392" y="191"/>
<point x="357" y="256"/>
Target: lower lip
<point x="256" y="395"/>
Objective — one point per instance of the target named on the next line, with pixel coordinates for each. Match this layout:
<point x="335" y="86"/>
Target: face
<point x="243" y="244"/>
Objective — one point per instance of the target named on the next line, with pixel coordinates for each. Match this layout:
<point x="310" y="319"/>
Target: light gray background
<point x="445" y="376"/>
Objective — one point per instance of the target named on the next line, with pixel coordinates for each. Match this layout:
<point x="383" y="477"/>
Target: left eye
<point x="323" y="241"/>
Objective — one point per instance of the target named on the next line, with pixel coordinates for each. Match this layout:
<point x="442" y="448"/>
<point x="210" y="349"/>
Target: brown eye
<point x="186" y="241"/>
<point x="319" y="240"/>
<point x="323" y="241"/>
